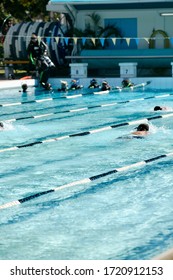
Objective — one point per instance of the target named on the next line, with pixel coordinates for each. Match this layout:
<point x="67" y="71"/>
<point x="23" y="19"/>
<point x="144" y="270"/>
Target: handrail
<point x="116" y="56"/>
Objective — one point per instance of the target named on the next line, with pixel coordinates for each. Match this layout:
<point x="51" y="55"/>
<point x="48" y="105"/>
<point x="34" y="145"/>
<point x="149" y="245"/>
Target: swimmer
<point x="93" y="84"/>
<point x="159" y="108"/>
<point x="46" y="86"/>
<point x="1" y="126"/>
<point x="24" y="87"/>
<point x="127" y="83"/>
<point x="141" y="130"/>
<point x="75" y="85"/>
<point x="105" y="86"/>
<point x="64" y="86"/>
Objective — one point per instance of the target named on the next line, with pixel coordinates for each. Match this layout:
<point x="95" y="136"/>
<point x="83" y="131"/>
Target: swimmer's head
<point x="143" y="127"/>
<point x="1" y="125"/>
<point x="157" y="108"/>
<point x="104" y="82"/>
<point x="64" y="82"/>
<point x="24" y="87"/>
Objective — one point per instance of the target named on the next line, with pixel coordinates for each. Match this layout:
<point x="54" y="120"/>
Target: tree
<point x="14" y="11"/>
<point x="93" y="30"/>
<point x="23" y="10"/>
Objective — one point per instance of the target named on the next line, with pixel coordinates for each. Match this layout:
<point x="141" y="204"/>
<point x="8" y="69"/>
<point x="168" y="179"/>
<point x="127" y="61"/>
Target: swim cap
<point x="24" y="86"/>
<point x="143" y="127"/>
<point x="64" y="82"/>
<point x="157" y="108"/>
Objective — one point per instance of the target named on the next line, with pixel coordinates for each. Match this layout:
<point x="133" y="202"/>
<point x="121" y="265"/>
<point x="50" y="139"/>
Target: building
<point x="146" y="34"/>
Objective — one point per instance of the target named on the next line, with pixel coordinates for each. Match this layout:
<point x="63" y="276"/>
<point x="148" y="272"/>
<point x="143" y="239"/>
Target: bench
<point x="8" y="65"/>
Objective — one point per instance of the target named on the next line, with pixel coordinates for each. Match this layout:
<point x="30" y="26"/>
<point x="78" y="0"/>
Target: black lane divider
<point x="84" y="181"/>
<point x="155" y="158"/>
<point x="22" y="200"/>
<point x="84" y="133"/>
<point x="29" y="145"/>
<point x="87" y="108"/>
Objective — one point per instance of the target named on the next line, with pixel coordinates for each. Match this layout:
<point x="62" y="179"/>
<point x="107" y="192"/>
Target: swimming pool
<point x="119" y="215"/>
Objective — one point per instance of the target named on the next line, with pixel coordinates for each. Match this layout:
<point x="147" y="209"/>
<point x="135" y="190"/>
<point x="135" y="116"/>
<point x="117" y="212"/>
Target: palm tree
<point x="95" y="31"/>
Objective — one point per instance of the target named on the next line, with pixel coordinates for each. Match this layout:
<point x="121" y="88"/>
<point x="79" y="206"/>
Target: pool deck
<point x="156" y="83"/>
<point x="5" y="84"/>
<point x="167" y="255"/>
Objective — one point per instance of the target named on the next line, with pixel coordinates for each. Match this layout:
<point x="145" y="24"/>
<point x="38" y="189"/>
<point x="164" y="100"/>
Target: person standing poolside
<point x="38" y="55"/>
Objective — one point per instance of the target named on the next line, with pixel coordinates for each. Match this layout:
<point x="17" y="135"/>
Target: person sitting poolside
<point x="159" y="108"/>
<point x="105" y="86"/>
<point x="127" y="83"/>
<point x="93" y="83"/>
<point x="141" y="130"/>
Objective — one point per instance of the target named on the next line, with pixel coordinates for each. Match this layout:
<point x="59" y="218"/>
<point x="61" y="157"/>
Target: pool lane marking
<point x="80" y="95"/>
<point x="84" y="133"/>
<point x="85" y="180"/>
<point x="43" y="100"/>
<point x="48" y="99"/>
<point x="37" y="101"/>
<point x="84" y="108"/>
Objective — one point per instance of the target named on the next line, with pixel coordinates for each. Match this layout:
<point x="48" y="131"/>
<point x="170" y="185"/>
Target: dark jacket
<point x="36" y="50"/>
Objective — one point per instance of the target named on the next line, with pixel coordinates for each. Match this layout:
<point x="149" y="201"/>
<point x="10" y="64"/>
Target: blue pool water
<point x="126" y="215"/>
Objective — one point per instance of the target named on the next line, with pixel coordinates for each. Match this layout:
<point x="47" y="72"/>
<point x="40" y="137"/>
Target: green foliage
<point x="1" y="51"/>
<point x="23" y="10"/>
<point x="95" y="30"/>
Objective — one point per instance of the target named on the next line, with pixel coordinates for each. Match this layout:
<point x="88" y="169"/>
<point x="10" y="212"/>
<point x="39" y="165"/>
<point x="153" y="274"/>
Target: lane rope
<point x="85" y="108"/>
<point x="37" y="101"/>
<point x="35" y="110"/>
<point x="84" y="181"/>
<point x="51" y="99"/>
<point x="76" y="96"/>
<point x="85" y="132"/>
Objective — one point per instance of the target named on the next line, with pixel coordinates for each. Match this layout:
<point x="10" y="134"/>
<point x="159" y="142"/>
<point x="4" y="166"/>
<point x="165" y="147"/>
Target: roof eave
<point x="101" y="5"/>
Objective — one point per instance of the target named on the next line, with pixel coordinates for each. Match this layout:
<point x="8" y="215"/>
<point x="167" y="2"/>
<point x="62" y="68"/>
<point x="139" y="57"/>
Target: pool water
<point x="125" y="215"/>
